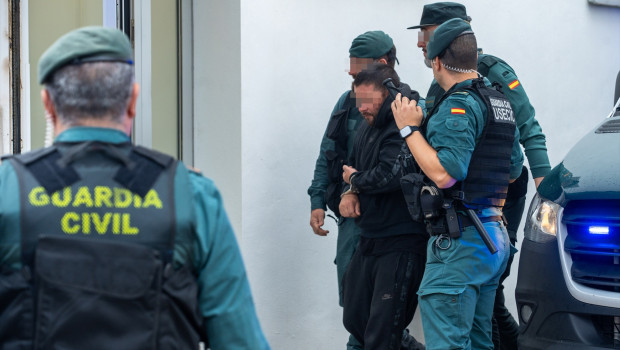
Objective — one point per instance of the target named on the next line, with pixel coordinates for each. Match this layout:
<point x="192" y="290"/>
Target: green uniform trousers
<point x="457" y="293"/>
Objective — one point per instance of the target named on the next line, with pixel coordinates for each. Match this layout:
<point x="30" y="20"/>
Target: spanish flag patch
<point x="458" y="111"/>
<point x="514" y="84"/>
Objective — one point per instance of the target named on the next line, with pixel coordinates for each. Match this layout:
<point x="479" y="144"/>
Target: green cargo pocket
<point x="445" y="305"/>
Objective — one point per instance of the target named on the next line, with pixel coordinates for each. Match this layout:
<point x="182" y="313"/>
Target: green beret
<point x="373" y="44"/>
<point x="439" y="12"/>
<point x="88" y="44"/>
<point x="445" y="34"/>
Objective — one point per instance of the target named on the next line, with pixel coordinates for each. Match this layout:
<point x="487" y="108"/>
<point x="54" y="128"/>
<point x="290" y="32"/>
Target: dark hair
<point x="461" y="54"/>
<point x="390" y="57"/>
<point x="95" y="90"/>
<point x="375" y="74"/>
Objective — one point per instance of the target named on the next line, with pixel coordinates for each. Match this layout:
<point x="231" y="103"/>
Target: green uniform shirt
<point x="454" y="136"/>
<point x="321" y="180"/>
<point x="531" y="135"/>
<point x="224" y="294"/>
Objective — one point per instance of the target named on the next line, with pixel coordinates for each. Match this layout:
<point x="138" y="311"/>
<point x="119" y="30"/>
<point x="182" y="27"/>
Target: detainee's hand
<point x="350" y="206"/>
<point x="406" y="112"/>
<point x="317" y="220"/>
<point x="347" y="171"/>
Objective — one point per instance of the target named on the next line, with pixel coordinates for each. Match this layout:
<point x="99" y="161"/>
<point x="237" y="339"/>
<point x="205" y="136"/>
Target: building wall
<point x="217" y="99"/>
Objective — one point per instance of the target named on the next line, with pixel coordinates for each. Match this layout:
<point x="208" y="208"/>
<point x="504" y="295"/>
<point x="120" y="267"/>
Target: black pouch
<point x="411" y="185"/>
<point x="337" y="127"/>
<point x="518" y="188"/>
<point x="86" y="304"/>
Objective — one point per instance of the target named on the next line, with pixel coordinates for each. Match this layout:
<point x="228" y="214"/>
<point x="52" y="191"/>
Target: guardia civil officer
<point x="467" y="147"/>
<point x="106" y="245"/>
<point x="532" y="139"/>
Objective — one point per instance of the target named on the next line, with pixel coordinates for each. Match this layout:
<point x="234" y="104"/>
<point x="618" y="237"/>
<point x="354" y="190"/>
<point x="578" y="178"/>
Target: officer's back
<point x="105" y="245"/>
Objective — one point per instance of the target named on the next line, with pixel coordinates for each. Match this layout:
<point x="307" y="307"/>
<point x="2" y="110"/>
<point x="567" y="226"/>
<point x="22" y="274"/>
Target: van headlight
<point x="542" y="220"/>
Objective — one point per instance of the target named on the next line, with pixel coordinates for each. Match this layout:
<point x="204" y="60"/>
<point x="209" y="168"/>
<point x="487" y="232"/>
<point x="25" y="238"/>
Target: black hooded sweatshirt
<point x="375" y="156"/>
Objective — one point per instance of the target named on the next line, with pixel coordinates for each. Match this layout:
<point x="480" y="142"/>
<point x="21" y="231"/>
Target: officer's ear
<point x="381" y="60"/>
<point x="133" y="100"/>
<point x="48" y="105"/>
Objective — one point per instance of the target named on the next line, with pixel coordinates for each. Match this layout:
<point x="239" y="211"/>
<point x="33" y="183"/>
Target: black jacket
<point x="375" y="156"/>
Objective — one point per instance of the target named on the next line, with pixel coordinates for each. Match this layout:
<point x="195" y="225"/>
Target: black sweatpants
<point x="380" y="287"/>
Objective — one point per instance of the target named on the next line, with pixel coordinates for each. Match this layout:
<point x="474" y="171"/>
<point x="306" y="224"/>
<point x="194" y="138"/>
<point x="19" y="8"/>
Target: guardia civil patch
<point x="502" y="111"/>
<point x="514" y="84"/>
<point x="457" y="111"/>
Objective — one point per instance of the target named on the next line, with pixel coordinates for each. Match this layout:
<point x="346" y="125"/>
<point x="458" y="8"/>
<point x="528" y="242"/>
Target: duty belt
<point x="465" y="221"/>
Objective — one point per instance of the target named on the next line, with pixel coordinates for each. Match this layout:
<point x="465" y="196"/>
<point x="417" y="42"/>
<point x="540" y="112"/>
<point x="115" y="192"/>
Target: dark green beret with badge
<point x="440" y="12"/>
<point x="88" y="44"/>
<point x="373" y="44"/>
<point x="445" y="34"/>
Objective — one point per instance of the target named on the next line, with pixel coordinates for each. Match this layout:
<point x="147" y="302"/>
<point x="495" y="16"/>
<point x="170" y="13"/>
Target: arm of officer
<point x="530" y="132"/>
<point x="320" y="181"/>
<point x="225" y="300"/>
<point x="407" y="112"/>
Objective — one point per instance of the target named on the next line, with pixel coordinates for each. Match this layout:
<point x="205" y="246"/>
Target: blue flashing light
<point x="599" y="230"/>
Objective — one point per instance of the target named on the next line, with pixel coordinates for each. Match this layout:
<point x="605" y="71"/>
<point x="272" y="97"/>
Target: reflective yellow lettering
<point x="116" y="223"/>
<point x="122" y="198"/>
<point x="85" y="223"/>
<point x="65" y="200"/>
<point x="127" y="229"/>
<point x="137" y="201"/>
<point x="82" y="197"/>
<point x="67" y="226"/>
<point x="103" y="196"/>
<point x="101" y="225"/>
<point x="152" y="199"/>
<point x="38" y="197"/>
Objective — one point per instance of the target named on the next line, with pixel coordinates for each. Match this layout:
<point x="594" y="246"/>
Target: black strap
<point x="485" y="62"/>
<point x="140" y="174"/>
<point x="48" y="169"/>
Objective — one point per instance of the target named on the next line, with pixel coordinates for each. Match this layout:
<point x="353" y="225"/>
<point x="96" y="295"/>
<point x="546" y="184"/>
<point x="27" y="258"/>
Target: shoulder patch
<point x="514" y="84"/>
<point x="457" y="110"/>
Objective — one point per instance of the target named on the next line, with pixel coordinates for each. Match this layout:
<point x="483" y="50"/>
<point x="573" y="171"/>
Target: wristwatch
<point x="408" y="130"/>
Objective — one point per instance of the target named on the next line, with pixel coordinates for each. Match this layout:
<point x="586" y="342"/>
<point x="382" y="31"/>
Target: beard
<point x="370" y="119"/>
<point x="427" y="62"/>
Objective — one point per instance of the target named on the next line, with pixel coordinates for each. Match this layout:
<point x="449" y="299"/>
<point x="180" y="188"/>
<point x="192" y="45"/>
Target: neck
<point x="95" y="123"/>
<point x="451" y="79"/>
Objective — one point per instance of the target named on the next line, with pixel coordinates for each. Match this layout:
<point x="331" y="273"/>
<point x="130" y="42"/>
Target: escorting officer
<point x="336" y="148"/>
<point x="106" y="245"/>
<point x="531" y="137"/>
<point x="471" y="154"/>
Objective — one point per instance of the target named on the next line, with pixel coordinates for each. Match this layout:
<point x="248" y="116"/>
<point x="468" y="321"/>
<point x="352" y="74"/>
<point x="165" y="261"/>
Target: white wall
<point x="293" y="60"/>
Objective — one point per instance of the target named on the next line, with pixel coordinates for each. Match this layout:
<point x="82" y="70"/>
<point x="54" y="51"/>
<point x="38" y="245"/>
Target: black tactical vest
<point x="488" y="174"/>
<point x="98" y="229"/>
